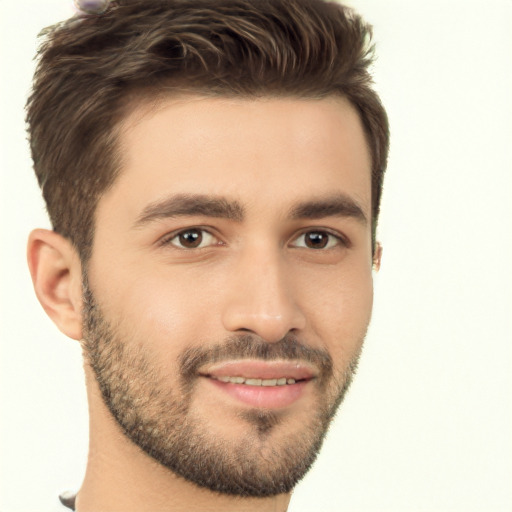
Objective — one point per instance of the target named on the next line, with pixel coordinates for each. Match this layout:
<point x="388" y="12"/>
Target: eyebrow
<point x="339" y="205"/>
<point x="182" y="205"/>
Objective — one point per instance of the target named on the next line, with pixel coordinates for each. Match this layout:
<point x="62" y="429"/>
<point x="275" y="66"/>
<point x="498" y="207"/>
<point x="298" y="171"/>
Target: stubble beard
<point x="164" y="424"/>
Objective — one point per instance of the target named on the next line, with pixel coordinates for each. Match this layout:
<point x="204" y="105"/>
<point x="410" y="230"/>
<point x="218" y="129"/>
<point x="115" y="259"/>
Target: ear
<point x="377" y="257"/>
<point x="57" y="277"/>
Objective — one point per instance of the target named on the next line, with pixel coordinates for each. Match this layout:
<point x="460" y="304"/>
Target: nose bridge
<point x="260" y="295"/>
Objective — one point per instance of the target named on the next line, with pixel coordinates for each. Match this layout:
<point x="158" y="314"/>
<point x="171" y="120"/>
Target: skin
<point x="253" y="276"/>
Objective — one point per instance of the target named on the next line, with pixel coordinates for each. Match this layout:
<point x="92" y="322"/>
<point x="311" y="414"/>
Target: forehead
<point x="268" y="150"/>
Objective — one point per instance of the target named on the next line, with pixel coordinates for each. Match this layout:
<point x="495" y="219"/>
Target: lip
<point x="264" y="397"/>
<point x="251" y="369"/>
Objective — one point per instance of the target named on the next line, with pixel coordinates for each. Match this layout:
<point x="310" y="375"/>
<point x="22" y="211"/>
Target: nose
<point x="260" y="297"/>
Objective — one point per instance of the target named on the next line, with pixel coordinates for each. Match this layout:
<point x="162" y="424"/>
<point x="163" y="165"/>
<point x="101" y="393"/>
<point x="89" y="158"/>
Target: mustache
<point x="249" y="346"/>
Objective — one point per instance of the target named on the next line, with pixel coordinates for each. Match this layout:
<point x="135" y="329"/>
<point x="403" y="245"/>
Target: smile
<point x="283" y="381"/>
<point x="261" y="384"/>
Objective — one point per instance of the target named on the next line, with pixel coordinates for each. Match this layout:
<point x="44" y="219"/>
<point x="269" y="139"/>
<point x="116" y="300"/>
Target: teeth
<point x="283" y="381"/>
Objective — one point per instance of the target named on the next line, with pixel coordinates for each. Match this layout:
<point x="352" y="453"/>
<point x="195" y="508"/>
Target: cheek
<point x="162" y="309"/>
<point x="339" y="310"/>
<point x="171" y="308"/>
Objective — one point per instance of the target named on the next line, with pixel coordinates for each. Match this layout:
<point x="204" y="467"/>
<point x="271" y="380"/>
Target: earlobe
<point x="377" y="257"/>
<point x="57" y="277"/>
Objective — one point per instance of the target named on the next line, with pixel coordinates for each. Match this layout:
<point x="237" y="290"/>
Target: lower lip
<point x="265" y="397"/>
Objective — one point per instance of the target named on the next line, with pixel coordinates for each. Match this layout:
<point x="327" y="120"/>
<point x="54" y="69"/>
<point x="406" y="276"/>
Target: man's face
<point x="230" y="284"/>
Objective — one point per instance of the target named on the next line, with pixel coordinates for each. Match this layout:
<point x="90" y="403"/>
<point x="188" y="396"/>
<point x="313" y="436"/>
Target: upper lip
<point x="252" y="369"/>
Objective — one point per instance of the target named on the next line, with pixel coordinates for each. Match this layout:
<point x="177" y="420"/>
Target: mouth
<point x="261" y="384"/>
<point x="282" y="381"/>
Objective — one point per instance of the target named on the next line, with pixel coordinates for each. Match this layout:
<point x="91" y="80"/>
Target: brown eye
<point x="193" y="238"/>
<point x="317" y="240"/>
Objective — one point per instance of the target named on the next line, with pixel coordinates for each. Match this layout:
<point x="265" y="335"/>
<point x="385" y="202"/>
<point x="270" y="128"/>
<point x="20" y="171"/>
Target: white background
<point x="427" y="424"/>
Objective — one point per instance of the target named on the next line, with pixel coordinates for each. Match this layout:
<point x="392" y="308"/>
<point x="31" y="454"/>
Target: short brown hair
<point x="90" y="64"/>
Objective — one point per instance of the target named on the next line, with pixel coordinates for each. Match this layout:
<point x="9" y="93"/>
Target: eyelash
<point x="340" y="240"/>
<point x="167" y="240"/>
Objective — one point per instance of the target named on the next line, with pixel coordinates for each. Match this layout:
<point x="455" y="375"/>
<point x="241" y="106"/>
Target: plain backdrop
<point x="427" y="424"/>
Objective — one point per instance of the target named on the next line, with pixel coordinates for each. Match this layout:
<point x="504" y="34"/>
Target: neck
<point x="120" y="477"/>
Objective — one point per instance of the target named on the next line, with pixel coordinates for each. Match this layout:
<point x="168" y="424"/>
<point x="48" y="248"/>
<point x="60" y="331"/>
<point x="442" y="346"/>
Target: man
<point x="213" y="172"/>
